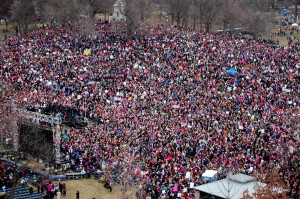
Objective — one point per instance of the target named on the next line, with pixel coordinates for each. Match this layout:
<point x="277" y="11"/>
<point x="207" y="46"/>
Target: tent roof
<point x="242" y="178"/>
<point x="232" y="187"/>
<point x="231" y="71"/>
<point x="209" y="173"/>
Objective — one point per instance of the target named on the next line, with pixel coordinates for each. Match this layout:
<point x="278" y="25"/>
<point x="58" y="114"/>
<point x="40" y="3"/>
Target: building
<point x="118" y="12"/>
<point x="231" y="187"/>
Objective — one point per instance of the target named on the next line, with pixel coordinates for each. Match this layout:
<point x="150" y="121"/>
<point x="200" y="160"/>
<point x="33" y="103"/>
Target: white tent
<point x="210" y="175"/>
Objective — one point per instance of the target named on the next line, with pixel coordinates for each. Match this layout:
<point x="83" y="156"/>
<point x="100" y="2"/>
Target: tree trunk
<point x="25" y="28"/>
<point x="185" y="22"/>
<point x="207" y="26"/>
<point x="178" y="19"/>
<point x="130" y="29"/>
<point x="296" y="11"/>
<point x="6" y="24"/>
<point x="224" y="25"/>
<point x="93" y="14"/>
<point x="142" y="18"/>
<point x="172" y="19"/>
<point x="194" y="21"/>
<point x="20" y="29"/>
<point x="201" y="22"/>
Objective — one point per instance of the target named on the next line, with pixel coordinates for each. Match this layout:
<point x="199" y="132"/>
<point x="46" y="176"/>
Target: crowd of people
<point x="165" y="99"/>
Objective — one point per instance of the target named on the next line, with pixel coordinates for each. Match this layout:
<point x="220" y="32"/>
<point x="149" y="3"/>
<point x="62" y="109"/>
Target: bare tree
<point x="100" y="6"/>
<point x="7" y="130"/>
<point x="145" y="7"/>
<point x="128" y="8"/>
<point x="194" y="14"/>
<point x="5" y="10"/>
<point x="86" y="26"/>
<point x="125" y="174"/>
<point x="62" y="11"/>
<point x="198" y="12"/>
<point x="296" y="4"/>
<point x="7" y="120"/>
<point x="23" y="14"/>
<point x="261" y="5"/>
<point x="251" y="19"/>
<point x="210" y="10"/>
<point x="178" y="9"/>
<point x="274" y="187"/>
<point x="230" y="14"/>
<point x="246" y="195"/>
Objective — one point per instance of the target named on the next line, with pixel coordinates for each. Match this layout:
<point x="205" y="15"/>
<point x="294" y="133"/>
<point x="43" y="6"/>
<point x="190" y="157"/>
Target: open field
<point x="2" y="28"/>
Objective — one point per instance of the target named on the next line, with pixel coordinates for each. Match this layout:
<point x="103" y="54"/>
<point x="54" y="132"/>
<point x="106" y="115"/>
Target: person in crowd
<point x="77" y="195"/>
<point x="165" y="97"/>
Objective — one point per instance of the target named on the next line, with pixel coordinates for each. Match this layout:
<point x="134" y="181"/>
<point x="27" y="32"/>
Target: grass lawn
<point x="91" y="188"/>
<point x="11" y="30"/>
<point x="2" y="28"/>
<point x="283" y="39"/>
<point x="88" y="189"/>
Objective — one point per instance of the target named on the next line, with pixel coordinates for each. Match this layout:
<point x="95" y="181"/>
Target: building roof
<point x="242" y="178"/>
<point x="232" y="187"/>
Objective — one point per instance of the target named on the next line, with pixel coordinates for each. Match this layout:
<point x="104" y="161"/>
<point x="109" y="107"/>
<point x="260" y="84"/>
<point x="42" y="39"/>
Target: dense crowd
<point x="164" y="97"/>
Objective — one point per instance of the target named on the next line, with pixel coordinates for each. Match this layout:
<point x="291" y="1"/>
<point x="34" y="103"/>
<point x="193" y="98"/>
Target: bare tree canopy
<point x="62" y="11"/>
<point x="5" y="9"/>
<point x="5" y="6"/>
<point x="274" y="188"/>
<point x="210" y="9"/>
<point x="230" y="14"/>
<point x="100" y="6"/>
<point x="145" y="8"/>
<point x="178" y="8"/>
<point x="126" y="174"/>
<point x="251" y="25"/>
<point x="128" y="8"/>
<point x="261" y="5"/>
<point x="23" y="14"/>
